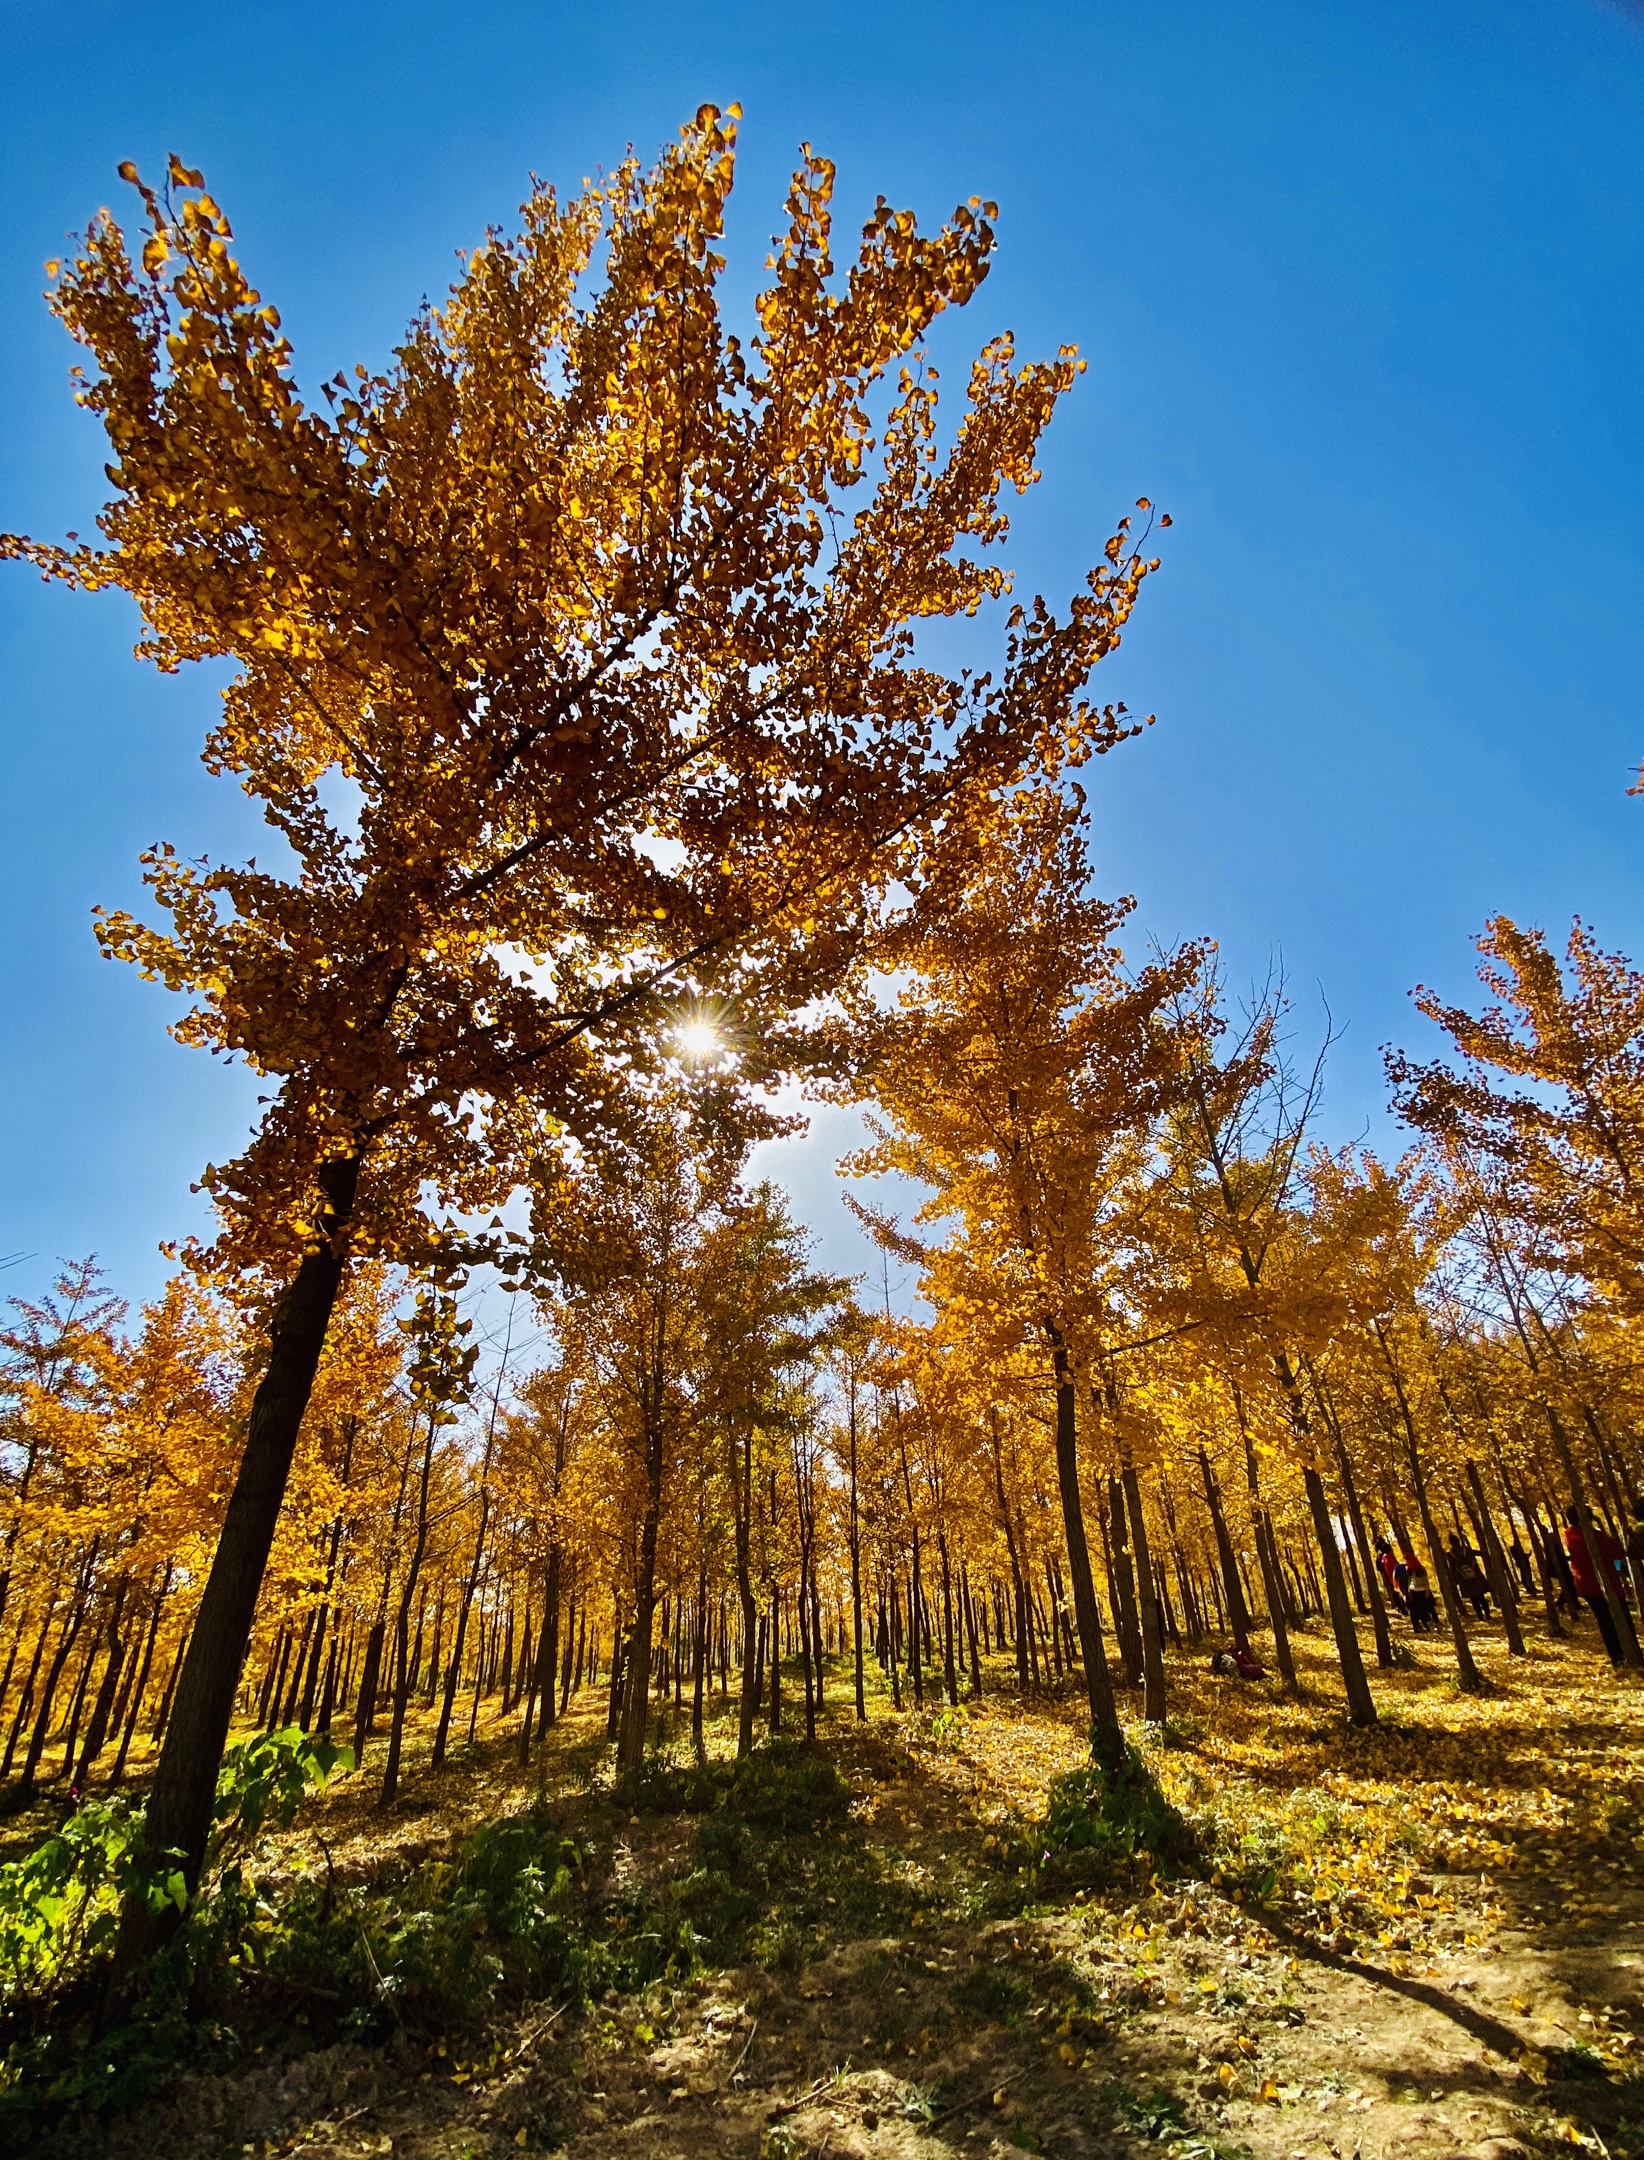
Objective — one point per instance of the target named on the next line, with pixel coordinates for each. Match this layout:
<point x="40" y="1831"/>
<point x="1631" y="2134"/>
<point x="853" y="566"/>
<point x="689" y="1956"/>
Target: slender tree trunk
<point x="1361" y="1706"/>
<point x="1238" y="1617"/>
<point x="73" y="1621"/>
<point x="1127" y="1618"/>
<point x="856" y="1571"/>
<point x="1154" y="1707"/>
<point x="97" y="1732"/>
<point x="459" y="1642"/>
<point x="948" y="1673"/>
<point x="134" y="1706"/>
<point x="403" y="1658"/>
<point x="1620" y="1618"/>
<point x="1495" y="1562"/>
<point x="699" y="1661"/>
<point x="1106" y="1738"/>
<point x="968" y="1602"/>
<point x="1372" y="1573"/>
<point x="1467" y="1672"/>
<point x="636" y="1701"/>
<point x="1008" y="1527"/>
<point x="1266" y="1555"/>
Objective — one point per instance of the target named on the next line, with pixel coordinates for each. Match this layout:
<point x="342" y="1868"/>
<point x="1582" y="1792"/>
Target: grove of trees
<point x="583" y="668"/>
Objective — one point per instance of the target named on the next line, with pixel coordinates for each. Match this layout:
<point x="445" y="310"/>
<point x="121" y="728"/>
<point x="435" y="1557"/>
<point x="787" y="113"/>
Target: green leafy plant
<point x="1157" y="2115"/>
<point x="1102" y="1816"/>
<point x="59" y="1904"/>
<point x="784" y="1786"/>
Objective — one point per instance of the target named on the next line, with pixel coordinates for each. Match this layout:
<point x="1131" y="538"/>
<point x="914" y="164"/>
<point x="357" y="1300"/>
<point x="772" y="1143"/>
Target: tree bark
<point x="1238" y="1616"/>
<point x="856" y="1567"/>
<point x="1619" y="1615"/>
<point x="636" y="1702"/>
<point x="1154" y="1707"/>
<point x="1495" y="1562"/>
<point x="1467" y="1672"/>
<point x="404" y="1661"/>
<point x="1106" y="1738"/>
<point x="1361" y="1707"/>
<point x="185" y="1778"/>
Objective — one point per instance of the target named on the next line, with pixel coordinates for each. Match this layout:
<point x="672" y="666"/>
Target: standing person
<point x="1390" y="1573"/>
<point x="1418" y="1595"/>
<point x="1635" y="1548"/>
<point x="1589" y="1584"/>
<point x="1468" y="1577"/>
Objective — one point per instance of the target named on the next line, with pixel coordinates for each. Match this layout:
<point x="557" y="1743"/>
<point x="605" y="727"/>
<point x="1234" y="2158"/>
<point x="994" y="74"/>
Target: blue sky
<point x="1362" y="290"/>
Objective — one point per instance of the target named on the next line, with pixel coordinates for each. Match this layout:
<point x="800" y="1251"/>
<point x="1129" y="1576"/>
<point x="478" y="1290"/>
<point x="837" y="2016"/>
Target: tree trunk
<point x="636" y="1701"/>
<point x="1238" y="1616"/>
<point x="1154" y="1707"/>
<point x="134" y="1706"/>
<point x="1106" y="1738"/>
<point x="97" y="1732"/>
<point x="1361" y="1707"/>
<point x="404" y="1660"/>
<point x="1467" y="1672"/>
<point x="1127" y="1620"/>
<point x="856" y="1571"/>
<point x="185" y="1778"/>
<point x="699" y="1661"/>
<point x="1495" y="1562"/>
<point x="1372" y="1573"/>
<point x="1620" y="1618"/>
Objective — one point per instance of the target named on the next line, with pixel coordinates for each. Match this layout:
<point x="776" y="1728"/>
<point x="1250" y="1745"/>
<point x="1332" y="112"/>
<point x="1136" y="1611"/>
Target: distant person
<point x="1588" y="1581"/>
<point x="1471" y="1584"/>
<point x="1635" y="1546"/>
<point x="1241" y="1662"/>
<point x="1521" y="1560"/>
<point x="1418" y="1595"/>
<point x="1389" y="1567"/>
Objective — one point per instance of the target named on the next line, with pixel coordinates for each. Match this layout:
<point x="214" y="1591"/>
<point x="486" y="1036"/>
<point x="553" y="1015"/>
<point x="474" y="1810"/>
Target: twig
<point x="959" y="2105"/>
<point x="376" y="1974"/>
<point x="519" y="2048"/>
<point x="748" y="2043"/>
<point x="792" y="2107"/>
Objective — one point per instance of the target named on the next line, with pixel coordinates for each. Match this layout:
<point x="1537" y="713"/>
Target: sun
<point x="699" y="1039"/>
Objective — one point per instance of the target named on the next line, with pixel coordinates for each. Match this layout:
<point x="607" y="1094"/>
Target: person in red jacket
<point x="1589" y="1584"/>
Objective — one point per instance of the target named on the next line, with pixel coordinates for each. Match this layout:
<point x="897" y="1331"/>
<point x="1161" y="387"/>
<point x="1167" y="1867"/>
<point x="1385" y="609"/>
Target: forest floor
<point x="1425" y="1940"/>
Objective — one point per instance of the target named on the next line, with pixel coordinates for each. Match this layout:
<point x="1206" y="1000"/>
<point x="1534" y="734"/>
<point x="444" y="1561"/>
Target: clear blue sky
<point x="1362" y="289"/>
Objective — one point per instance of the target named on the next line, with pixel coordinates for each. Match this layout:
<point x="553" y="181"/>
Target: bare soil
<point x="1439" y="1951"/>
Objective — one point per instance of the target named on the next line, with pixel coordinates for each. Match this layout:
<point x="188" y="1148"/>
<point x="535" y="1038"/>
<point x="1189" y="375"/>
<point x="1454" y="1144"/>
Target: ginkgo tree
<point x="570" y="680"/>
<point x="1017" y="1075"/>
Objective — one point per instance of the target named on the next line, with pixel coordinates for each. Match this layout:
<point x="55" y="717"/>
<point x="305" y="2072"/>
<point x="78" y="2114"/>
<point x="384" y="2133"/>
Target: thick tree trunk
<point x="1361" y="1707"/>
<point x="1106" y="1738"/>
<point x="185" y="1778"/>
